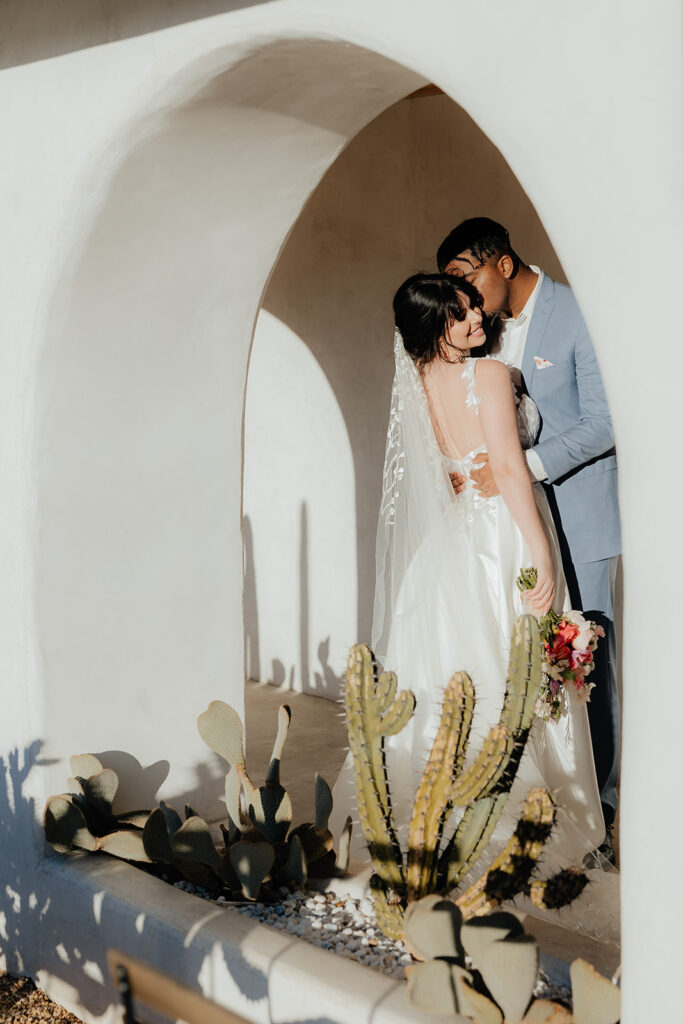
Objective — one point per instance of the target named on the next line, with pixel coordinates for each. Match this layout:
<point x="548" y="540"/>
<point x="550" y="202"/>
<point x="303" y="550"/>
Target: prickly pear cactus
<point x="260" y="817"/>
<point x="83" y="818"/>
<point x="257" y="856"/>
<point x="486" y="969"/>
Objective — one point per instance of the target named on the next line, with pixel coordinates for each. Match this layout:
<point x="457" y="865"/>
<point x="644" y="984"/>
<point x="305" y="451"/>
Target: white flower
<point x="584" y="693"/>
<point x="585" y="634"/>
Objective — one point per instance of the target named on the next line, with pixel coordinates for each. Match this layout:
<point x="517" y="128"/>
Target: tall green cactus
<point x="375" y="710"/>
<point x="483" y="812"/>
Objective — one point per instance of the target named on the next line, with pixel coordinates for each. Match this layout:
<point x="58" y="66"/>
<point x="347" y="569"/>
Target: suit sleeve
<point x="592" y="435"/>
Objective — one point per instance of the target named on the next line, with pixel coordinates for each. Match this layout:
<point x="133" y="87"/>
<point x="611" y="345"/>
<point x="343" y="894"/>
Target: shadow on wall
<point x="32" y="30"/>
<point x="30" y="907"/>
<point x="322" y="680"/>
<point x="378" y="215"/>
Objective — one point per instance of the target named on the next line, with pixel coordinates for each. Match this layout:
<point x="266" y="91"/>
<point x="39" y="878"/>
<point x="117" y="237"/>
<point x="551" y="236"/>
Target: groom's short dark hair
<point x="481" y="236"/>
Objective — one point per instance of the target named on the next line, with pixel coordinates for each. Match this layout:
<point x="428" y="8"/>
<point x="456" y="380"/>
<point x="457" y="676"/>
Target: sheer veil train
<point x="445" y="600"/>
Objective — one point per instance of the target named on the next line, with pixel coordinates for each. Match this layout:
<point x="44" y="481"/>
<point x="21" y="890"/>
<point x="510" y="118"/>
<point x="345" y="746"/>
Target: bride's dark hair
<point x="425" y="305"/>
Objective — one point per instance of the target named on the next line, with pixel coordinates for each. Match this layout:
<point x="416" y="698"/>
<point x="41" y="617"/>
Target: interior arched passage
<point x="377" y="216"/>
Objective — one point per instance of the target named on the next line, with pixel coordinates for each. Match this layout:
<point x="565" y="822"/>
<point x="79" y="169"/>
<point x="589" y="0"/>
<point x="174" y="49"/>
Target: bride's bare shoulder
<point x="492" y="373"/>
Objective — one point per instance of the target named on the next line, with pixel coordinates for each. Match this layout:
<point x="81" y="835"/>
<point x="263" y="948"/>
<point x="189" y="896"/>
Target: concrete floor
<point x="317" y="742"/>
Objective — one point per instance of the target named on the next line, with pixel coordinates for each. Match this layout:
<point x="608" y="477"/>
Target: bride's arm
<point x="511" y="473"/>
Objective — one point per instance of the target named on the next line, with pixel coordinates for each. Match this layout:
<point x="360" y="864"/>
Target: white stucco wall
<point x="300" y="517"/>
<point x="377" y="216"/>
<point x="149" y="192"/>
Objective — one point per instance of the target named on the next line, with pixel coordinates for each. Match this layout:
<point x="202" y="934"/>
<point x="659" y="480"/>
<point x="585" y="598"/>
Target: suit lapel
<point x="545" y="303"/>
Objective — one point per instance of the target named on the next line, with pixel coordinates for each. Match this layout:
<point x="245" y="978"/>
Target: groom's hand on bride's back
<point x="458" y="481"/>
<point x="482" y="478"/>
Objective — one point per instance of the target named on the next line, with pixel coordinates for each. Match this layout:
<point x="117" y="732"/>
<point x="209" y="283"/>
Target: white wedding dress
<point x="446" y="600"/>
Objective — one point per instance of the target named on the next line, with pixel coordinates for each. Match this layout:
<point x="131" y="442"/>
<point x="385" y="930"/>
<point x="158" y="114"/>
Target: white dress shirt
<point x="512" y="341"/>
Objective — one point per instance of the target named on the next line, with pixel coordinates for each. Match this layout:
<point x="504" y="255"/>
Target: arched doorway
<point x="377" y="216"/>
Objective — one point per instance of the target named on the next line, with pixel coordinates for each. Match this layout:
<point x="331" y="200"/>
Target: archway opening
<point x="377" y="216"/>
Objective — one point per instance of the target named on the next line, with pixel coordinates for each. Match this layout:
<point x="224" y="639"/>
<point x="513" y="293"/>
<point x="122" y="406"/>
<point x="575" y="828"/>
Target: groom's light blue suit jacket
<point x="576" y="440"/>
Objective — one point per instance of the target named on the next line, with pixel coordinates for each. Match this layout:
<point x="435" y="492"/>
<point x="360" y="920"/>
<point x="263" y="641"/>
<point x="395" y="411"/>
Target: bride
<point x="446" y="597"/>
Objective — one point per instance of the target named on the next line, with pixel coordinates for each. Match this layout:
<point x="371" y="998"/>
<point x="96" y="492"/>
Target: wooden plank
<point x="160" y="992"/>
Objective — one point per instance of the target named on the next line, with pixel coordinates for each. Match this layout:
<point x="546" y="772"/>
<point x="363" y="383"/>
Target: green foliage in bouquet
<point x="486" y="968"/>
<point x="569" y="642"/>
<point x="433" y="865"/>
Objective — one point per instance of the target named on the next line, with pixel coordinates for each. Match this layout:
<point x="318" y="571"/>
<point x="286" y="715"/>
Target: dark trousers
<point x="591" y="589"/>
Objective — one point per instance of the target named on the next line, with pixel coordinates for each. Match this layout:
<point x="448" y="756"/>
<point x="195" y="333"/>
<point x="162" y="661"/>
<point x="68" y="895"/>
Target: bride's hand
<point x="540" y="599"/>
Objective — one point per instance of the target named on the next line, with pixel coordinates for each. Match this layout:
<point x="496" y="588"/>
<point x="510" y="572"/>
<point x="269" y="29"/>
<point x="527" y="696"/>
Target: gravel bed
<point x="345" y="926"/>
<point x="22" y="1003"/>
<point x="341" y="924"/>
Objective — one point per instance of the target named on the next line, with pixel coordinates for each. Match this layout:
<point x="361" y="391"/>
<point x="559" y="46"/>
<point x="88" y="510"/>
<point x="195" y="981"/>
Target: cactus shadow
<point x="32" y="937"/>
<point x="327" y="682"/>
<point x="206" y="794"/>
<point x="278" y="673"/>
<point x="36" y="925"/>
<point x="138" y="785"/>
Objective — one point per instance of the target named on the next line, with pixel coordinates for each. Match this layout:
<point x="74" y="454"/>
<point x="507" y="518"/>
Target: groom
<point x="543" y="337"/>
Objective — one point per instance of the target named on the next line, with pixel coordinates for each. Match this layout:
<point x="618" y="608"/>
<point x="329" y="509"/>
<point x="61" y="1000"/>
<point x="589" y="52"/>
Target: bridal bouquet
<point x="569" y="641"/>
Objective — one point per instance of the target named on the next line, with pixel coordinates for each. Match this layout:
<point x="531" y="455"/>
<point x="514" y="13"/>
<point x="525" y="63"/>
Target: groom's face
<point x="487" y="276"/>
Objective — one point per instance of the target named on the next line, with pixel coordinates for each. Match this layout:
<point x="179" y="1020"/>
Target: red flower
<point x="579" y="658"/>
<point x="568" y="631"/>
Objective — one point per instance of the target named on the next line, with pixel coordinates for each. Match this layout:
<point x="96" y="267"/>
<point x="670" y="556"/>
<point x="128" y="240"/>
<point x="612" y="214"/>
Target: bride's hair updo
<point x="425" y="305"/>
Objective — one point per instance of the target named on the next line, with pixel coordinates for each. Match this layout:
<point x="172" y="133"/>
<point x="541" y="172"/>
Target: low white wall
<point x="377" y="216"/>
<point x="266" y="976"/>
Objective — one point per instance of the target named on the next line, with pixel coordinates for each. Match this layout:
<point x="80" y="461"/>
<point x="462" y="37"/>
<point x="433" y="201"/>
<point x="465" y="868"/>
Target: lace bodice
<point x="528" y="425"/>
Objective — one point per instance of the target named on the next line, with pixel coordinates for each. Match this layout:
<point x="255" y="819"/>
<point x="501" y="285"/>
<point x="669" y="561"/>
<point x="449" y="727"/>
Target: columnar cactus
<point x="375" y="710"/>
<point x="511" y="871"/>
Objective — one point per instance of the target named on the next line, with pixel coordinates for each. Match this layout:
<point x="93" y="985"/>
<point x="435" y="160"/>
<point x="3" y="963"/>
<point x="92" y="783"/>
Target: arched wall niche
<point x="311" y="497"/>
<point x="139" y="401"/>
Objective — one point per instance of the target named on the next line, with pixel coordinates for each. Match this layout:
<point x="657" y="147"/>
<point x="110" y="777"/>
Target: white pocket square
<point x="542" y="364"/>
